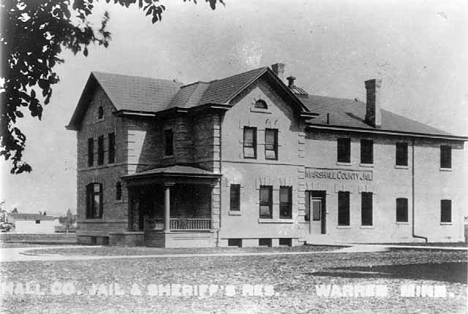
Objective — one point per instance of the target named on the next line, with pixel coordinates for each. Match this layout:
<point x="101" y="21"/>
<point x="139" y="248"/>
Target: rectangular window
<point x="344" y="150"/>
<point x="367" y="152"/>
<point x="343" y="208"/>
<point x="90" y="152"/>
<point x="168" y="143"/>
<point x="235" y="197"/>
<point x="366" y="208"/>
<point x="445" y="157"/>
<point x="264" y="242"/>
<point x="250" y="142"/>
<point x="286" y="202"/>
<point x="235" y="242"/>
<point x="445" y="211"/>
<point x="401" y="154"/>
<point x="402" y="210"/>
<point x="38" y="222"/>
<point x="111" y="148"/>
<point x="285" y="242"/>
<point x="100" y="150"/>
<point x="266" y="202"/>
<point x="94" y="200"/>
<point x="271" y="144"/>
<point x="316" y="208"/>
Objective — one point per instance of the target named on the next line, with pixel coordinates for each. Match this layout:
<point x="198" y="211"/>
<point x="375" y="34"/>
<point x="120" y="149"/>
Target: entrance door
<point x="316" y="212"/>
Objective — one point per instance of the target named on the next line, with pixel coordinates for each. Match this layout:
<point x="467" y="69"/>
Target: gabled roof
<point x="349" y="113"/>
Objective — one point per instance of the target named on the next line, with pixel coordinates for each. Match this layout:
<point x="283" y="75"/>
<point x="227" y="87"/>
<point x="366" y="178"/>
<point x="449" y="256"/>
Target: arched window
<point x="261" y="104"/>
<point x="118" y="191"/>
<point x="100" y="113"/>
<point x="94" y="200"/>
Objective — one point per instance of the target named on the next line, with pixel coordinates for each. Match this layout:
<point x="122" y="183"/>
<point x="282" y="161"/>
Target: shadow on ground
<point x="454" y="272"/>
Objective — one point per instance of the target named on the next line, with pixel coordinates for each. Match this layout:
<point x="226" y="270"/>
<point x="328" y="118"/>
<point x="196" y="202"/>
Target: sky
<point x="417" y="48"/>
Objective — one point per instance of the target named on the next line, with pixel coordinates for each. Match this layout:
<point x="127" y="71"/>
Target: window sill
<point x="275" y="221"/>
<point x="258" y="110"/>
<point x="401" y="167"/>
<point x="234" y="213"/>
<point x="402" y="223"/>
<point x="445" y="169"/>
<point x="168" y="156"/>
<point x="343" y="227"/>
<point x="366" y="165"/>
<point x="338" y="163"/>
<point x="445" y="223"/>
<point x="367" y="227"/>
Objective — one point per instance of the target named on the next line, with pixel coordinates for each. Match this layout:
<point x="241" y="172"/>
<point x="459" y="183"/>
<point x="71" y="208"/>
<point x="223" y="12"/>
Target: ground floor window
<point x="366" y="208"/>
<point x="235" y="197"/>
<point x="343" y="208"/>
<point x="402" y="210"/>
<point x="445" y="211"/>
<point x="235" y="242"/>
<point x="94" y="200"/>
<point x="264" y="242"/>
<point x="285" y="202"/>
<point x="266" y="202"/>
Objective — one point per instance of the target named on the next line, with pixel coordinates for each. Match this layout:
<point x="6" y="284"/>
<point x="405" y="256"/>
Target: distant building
<point x="249" y="160"/>
<point x="32" y="223"/>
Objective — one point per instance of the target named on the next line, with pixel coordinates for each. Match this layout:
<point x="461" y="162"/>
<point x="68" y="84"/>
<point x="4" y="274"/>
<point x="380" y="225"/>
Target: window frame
<point x="234" y="191"/>
<point x="274" y="148"/>
<point x="111" y="151"/>
<point x="367" y="207"/>
<point x="402" y="205"/>
<point x="100" y="152"/>
<point x="343" y="150"/>
<point x="367" y="152"/>
<point x="401" y="154"/>
<point x="118" y="191"/>
<point x="90" y="152"/>
<point x="445" y="157"/>
<point x="248" y="145"/>
<point x="261" y="104"/>
<point x="344" y="208"/>
<point x="268" y="203"/>
<point x="443" y="208"/>
<point x="91" y="211"/>
<point x="286" y="205"/>
<point x="168" y="142"/>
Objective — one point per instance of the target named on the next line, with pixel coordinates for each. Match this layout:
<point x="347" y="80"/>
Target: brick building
<point x="250" y="160"/>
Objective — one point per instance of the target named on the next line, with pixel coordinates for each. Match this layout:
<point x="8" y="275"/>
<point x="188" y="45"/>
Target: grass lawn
<point x="293" y="279"/>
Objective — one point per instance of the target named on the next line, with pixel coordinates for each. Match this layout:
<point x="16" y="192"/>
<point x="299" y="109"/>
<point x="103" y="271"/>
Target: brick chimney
<point x="291" y="81"/>
<point x="373" y="104"/>
<point x="278" y="69"/>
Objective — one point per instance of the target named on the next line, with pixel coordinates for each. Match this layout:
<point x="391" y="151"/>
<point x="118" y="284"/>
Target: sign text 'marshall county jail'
<point x="334" y="174"/>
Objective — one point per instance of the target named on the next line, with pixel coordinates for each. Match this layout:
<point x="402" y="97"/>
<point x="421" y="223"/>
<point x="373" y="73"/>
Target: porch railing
<point x="189" y="224"/>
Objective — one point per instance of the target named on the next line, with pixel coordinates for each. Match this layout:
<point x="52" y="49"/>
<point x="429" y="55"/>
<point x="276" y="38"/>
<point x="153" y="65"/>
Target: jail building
<point x="254" y="160"/>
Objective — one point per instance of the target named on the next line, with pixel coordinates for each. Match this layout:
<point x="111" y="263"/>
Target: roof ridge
<point x="138" y="76"/>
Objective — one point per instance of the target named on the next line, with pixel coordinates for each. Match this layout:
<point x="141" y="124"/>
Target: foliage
<point x="33" y="34"/>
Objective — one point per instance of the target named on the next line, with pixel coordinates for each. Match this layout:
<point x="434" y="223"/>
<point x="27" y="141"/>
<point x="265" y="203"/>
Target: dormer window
<point x="261" y="104"/>
<point x="100" y="113"/>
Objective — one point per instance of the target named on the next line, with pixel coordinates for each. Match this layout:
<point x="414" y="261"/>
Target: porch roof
<point x="177" y="172"/>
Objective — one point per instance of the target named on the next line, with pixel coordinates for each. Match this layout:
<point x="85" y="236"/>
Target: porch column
<point x="167" y="206"/>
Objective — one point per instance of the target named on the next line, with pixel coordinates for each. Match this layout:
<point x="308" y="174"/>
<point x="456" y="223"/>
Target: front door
<point x="316" y="212"/>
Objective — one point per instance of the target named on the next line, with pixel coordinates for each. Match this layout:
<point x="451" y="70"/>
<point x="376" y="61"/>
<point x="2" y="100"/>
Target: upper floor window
<point x="118" y="191"/>
<point x="90" y="152"/>
<point x="343" y="208"/>
<point x="446" y="211"/>
<point x="261" y="104"/>
<point x="271" y="144"/>
<point x="266" y="201"/>
<point x="344" y="150"/>
<point x="111" y="148"/>
<point x="366" y="208"/>
<point x="250" y="142"/>
<point x="100" y="114"/>
<point x="94" y="200"/>
<point x="168" y="143"/>
<point x="401" y="158"/>
<point x="402" y="210"/>
<point x="285" y="202"/>
<point x="367" y="152"/>
<point x="100" y="150"/>
<point x="445" y="157"/>
<point x="235" y="197"/>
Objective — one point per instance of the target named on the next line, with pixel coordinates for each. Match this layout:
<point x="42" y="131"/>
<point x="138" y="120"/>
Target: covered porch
<point x="172" y="206"/>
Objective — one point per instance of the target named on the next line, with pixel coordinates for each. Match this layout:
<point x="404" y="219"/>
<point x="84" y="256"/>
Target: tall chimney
<point x="278" y="69"/>
<point x="373" y="114"/>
